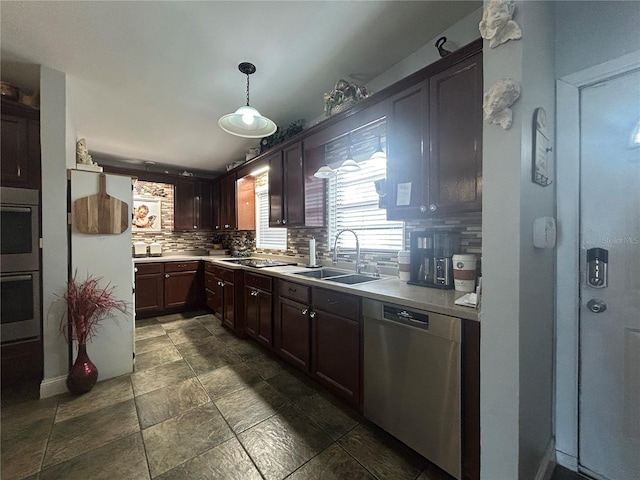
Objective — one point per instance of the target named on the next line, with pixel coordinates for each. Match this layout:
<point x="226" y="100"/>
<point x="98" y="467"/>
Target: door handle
<point x="596" y="306"/>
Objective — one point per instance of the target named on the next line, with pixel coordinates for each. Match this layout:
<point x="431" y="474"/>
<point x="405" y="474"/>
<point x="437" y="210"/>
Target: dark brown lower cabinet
<point x="258" y="307"/>
<point x="181" y="284"/>
<point x="292" y="333"/>
<point x="223" y="291"/>
<point x="149" y="288"/>
<point x="336" y="343"/>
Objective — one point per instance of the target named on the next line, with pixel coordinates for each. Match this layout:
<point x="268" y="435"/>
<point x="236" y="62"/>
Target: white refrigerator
<point x="107" y="256"/>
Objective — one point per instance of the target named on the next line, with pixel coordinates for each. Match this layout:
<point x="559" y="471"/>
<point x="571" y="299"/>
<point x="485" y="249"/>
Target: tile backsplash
<point x="172" y="242"/>
<point x="469" y="226"/>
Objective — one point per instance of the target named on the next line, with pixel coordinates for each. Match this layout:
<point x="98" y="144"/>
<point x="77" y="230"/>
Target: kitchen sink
<point x="353" y="278"/>
<point x="322" y="273"/>
<point x="339" y="276"/>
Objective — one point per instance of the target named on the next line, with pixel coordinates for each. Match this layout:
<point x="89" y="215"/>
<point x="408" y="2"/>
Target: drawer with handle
<point x="294" y="291"/>
<point x="181" y="267"/>
<point x="336" y="303"/>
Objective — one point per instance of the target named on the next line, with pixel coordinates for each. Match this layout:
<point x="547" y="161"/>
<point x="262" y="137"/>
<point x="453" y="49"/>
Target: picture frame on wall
<point x="146" y="214"/>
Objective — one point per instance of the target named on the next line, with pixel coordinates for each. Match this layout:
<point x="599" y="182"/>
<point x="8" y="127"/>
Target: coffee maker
<point x="431" y="258"/>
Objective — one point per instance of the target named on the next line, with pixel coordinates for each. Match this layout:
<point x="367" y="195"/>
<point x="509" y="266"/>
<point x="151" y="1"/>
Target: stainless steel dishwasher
<point x="412" y="379"/>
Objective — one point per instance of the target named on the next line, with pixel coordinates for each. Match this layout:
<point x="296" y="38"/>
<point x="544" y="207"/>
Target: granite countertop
<point x="388" y="289"/>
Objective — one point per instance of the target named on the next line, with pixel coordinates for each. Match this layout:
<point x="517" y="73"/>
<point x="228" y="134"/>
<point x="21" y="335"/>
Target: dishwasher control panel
<point x="407" y="317"/>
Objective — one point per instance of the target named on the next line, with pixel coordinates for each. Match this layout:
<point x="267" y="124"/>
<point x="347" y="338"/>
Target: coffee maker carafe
<point x="445" y="246"/>
<point x="431" y="262"/>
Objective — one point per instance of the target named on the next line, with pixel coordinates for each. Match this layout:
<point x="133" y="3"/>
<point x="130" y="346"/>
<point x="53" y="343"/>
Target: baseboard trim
<point x="53" y="386"/>
<point x="548" y="462"/>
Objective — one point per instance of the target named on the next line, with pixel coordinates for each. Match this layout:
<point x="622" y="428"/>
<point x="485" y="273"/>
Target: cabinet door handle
<point x="254" y="293"/>
<point x="331" y="302"/>
<point x="293" y="290"/>
<point x="278" y="222"/>
<point x="284" y="221"/>
<point x="195" y="226"/>
<point x="305" y="311"/>
<point x="433" y="207"/>
<point x="221" y="284"/>
<point x="166" y="275"/>
<point x="312" y="314"/>
<point x="135" y="269"/>
<point x="226" y="226"/>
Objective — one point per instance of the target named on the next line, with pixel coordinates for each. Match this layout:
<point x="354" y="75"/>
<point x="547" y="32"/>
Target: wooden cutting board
<point x="101" y="213"/>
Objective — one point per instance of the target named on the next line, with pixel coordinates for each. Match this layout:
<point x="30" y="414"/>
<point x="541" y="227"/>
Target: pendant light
<point x="379" y="153"/>
<point x="349" y="165"/>
<point x="246" y="121"/>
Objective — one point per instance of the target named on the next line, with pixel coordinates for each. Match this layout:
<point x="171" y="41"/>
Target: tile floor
<point x="202" y="404"/>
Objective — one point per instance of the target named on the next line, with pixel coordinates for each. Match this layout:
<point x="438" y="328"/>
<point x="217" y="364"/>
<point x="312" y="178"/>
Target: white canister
<point x="140" y="249"/>
<point x="404" y="265"/>
<point x="464" y="272"/>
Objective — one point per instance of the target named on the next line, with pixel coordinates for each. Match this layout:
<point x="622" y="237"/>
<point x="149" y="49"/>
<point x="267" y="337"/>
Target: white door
<point x="609" y="409"/>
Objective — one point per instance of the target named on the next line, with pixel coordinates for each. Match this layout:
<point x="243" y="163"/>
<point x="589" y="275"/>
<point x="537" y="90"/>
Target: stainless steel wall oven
<point x="20" y="311"/>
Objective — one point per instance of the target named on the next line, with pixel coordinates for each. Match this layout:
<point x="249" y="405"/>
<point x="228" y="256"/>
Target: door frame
<point x="568" y="249"/>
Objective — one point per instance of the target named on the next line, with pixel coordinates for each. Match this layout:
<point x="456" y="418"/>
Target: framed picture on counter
<point x="146" y="214"/>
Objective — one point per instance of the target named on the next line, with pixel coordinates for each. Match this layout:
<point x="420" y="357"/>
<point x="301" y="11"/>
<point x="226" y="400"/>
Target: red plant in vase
<point x="88" y="304"/>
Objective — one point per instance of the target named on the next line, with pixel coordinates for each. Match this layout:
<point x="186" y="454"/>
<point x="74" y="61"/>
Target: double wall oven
<point x="20" y="309"/>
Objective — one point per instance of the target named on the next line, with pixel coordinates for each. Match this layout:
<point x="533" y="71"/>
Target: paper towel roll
<point x="312" y="252"/>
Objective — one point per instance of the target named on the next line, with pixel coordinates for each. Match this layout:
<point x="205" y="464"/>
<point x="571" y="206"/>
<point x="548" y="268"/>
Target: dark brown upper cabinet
<point x="193" y="208"/>
<point x="434" y="160"/>
<point x="20" y="146"/>
<point x="296" y="197"/>
<point x="228" y="218"/>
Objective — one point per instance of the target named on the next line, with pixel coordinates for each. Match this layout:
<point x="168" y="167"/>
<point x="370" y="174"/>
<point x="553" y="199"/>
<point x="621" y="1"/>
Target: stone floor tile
<point x="157" y="357"/>
<point x="245" y="408"/>
<point x="381" y="454"/>
<point x="19" y="416"/>
<point x="160" y="376"/>
<point x="143" y="322"/>
<point x="228" y="379"/>
<point x="266" y="365"/>
<point x="184" y="437"/>
<point x="23" y="450"/>
<point x="153" y="343"/>
<point x="294" y="387"/>
<point x="81" y="434"/>
<point x="201" y="346"/>
<point x="120" y="459"/>
<point x="163" y="403"/>
<point x="227" y="461"/>
<point x="332" y="464"/>
<point x="103" y="394"/>
<point x="281" y="444"/>
<point x="333" y="418"/>
<point x="246" y="349"/>
<point x="194" y="331"/>
<point x="210" y="361"/>
<point x="149" y="331"/>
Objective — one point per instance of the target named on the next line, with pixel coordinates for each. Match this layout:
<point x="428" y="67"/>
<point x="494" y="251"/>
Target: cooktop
<point x="258" y="262"/>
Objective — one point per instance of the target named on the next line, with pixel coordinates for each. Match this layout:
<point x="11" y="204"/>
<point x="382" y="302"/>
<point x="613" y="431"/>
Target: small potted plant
<point x="88" y="304"/>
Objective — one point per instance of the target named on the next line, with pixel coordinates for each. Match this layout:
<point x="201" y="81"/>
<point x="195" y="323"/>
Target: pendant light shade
<point x="349" y="165"/>
<point x="246" y="121"/>
<point x="324" y="171"/>
<point x="379" y="153"/>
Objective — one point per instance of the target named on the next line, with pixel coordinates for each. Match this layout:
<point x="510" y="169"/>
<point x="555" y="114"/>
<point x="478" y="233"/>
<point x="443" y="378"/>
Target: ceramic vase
<point x="83" y="373"/>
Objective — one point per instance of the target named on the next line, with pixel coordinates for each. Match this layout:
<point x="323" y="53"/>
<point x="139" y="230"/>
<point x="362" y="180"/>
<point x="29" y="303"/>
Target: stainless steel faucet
<point x="336" y="249"/>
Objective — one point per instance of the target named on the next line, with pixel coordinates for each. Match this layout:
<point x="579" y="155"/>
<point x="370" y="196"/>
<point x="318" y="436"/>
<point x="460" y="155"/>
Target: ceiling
<point x="148" y="81"/>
